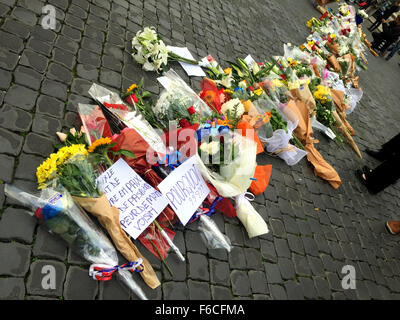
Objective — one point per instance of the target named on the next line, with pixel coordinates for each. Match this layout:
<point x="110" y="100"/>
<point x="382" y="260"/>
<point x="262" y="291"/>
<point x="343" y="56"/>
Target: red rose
<point x="251" y="88"/>
<point x="184" y="123"/>
<point x="191" y="110"/>
<point x="132" y="99"/>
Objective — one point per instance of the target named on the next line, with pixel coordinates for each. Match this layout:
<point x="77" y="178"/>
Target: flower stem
<point x="109" y="162"/>
<point x="175" y="57"/>
<point x="161" y="258"/>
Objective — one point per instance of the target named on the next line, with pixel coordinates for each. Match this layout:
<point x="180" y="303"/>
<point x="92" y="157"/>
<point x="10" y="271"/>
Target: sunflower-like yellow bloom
<point x="98" y="143"/>
<point x="131" y="88"/>
<point x="50" y="166"/>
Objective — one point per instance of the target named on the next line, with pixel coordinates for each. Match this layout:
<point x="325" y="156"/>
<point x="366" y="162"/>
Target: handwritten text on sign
<point x="138" y="202"/>
<point x="185" y="190"/>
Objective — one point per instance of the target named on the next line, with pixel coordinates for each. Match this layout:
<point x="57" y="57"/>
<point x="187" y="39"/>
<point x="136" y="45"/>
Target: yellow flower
<point x="333" y="36"/>
<point x="98" y="143"/>
<point x="259" y="91"/>
<point x="309" y="23"/>
<point x="228" y="70"/>
<point x="227" y="91"/>
<point x="48" y="169"/>
<point x="277" y="83"/>
<point x="302" y="47"/>
<point x="132" y="87"/>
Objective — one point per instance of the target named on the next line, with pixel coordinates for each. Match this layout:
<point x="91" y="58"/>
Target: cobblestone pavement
<point x="315" y="230"/>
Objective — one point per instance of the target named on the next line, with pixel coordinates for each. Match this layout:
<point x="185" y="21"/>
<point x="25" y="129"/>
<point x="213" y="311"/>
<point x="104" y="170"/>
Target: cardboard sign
<point x="139" y="203"/>
<point x="185" y="190"/>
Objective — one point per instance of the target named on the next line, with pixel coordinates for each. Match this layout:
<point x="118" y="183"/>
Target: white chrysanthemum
<point x="229" y="107"/>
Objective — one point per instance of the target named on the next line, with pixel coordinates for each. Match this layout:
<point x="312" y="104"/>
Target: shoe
<point x="393" y="227"/>
<point x="375" y="154"/>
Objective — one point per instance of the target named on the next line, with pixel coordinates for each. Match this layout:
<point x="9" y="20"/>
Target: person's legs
<point x="384" y="175"/>
<point x="393" y="51"/>
<point x="392" y="146"/>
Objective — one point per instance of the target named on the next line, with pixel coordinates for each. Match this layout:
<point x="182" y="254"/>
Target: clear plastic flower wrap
<point x="175" y="101"/>
<point x="66" y="219"/>
<point x="279" y="142"/>
<point x="130" y="118"/>
<point x="211" y="234"/>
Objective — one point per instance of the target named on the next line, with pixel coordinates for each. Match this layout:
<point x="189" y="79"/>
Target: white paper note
<point x="191" y="70"/>
<point x="139" y="203"/>
<point x="185" y="190"/>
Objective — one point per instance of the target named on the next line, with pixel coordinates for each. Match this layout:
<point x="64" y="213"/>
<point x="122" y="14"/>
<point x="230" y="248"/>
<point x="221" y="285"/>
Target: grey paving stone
<point x="322" y="287"/>
<point x="21" y="97"/>
<point x="50" y="106"/>
<point x="268" y="251"/>
<point x="34" y="60"/>
<point x="175" y="290"/>
<point x="79" y="286"/>
<point x="235" y="235"/>
<point x="194" y="242"/>
<point x="294" y="290"/>
<point x="253" y="259"/>
<point x="282" y="248"/>
<point x="12" y="289"/>
<point x="54" y="89"/>
<point x="37" y="144"/>
<point x="287" y="268"/>
<point x="301" y="265"/>
<point x="17" y="224"/>
<point x="18" y="259"/>
<point x="258" y="282"/>
<point x="198" y="267"/>
<point x="8" y="59"/>
<point x="59" y="73"/>
<point x="28" y="77"/>
<point x="64" y="58"/>
<point x="27" y="165"/>
<point x="237" y="258"/>
<point x="46" y="125"/>
<point x="221" y="293"/>
<point x="11" y="42"/>
<point x="277" y="292"/>
<point x="10" y="143"/>
<point x="6" y="168"/>
<point x="219" y="272"/>
<point x="5" y="79"/>
<point x="240" y="283"/>
<point x="48" y="245"/>
<point x="39" y="46"/>
<point x="199" y="290"/>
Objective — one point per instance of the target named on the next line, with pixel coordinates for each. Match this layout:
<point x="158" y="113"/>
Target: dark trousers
<point x="379" y="38"/>
<point x="388" y="172"/>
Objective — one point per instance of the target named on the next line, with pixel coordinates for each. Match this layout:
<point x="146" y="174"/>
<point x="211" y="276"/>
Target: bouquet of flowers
<point x="151" y="51"/>
<point x="66" y="219"/>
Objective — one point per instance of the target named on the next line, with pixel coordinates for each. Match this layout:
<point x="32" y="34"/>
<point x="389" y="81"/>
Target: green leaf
<point x="125" y="153"/>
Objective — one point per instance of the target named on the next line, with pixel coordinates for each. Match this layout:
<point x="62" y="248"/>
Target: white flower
<point x="210" y="148"/>
<point x="229" y="107"/>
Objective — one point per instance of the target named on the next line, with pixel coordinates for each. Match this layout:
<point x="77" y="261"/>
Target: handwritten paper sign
<point x="191" y="70"/>
<point x="139" y="203"/>
<point x="185" y="190"/>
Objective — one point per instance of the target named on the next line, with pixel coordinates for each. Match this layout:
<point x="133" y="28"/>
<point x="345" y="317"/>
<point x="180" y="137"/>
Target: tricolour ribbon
<point x="104" y="272"/>
<point x="207" y="211"/>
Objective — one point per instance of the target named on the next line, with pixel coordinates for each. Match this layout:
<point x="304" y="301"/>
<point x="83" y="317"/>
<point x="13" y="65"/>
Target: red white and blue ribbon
<point x="104" y="272"/>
